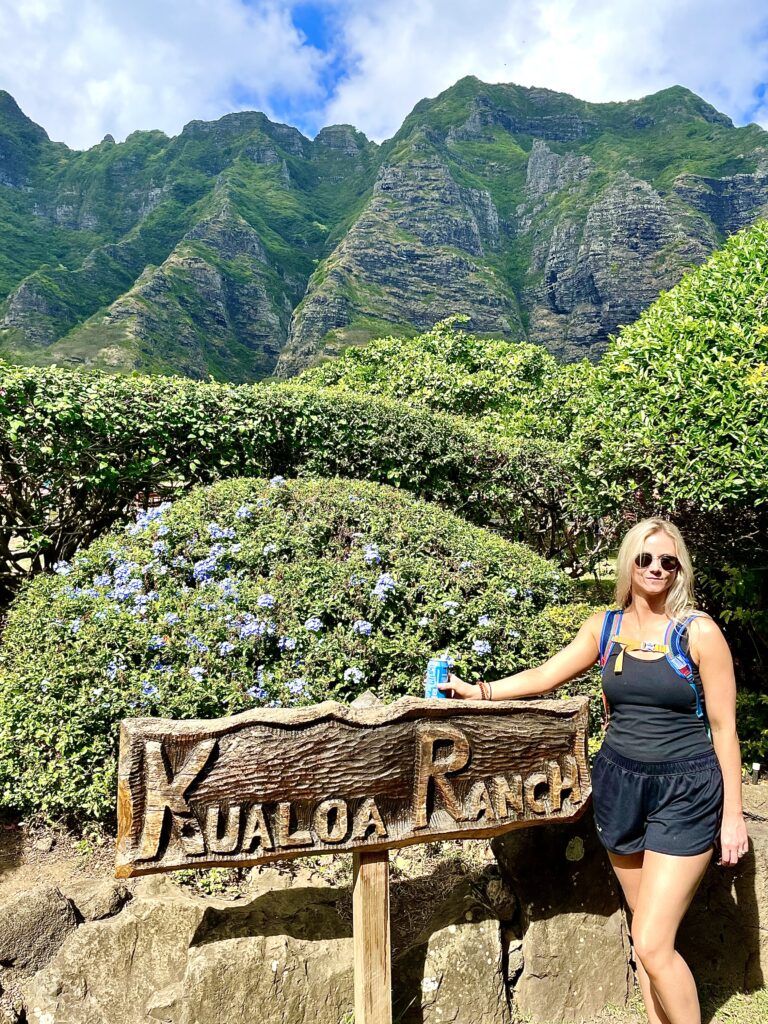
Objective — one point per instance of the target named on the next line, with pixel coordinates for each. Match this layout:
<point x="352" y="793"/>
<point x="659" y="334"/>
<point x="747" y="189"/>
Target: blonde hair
<point x="680" y="600"/>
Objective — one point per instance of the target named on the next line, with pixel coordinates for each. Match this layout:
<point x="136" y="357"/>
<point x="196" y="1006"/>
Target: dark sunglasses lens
<point x="643" y="560"/>
<point x="669" y="563"/>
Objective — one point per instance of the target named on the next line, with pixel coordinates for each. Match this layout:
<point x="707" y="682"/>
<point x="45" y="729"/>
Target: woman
<point x="663" y="791"/>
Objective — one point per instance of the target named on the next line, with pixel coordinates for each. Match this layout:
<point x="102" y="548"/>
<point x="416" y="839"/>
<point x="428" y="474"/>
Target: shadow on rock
<point x="575" y="942"/>
<point x="309" y="914"/>
<point x="724" y="935"/>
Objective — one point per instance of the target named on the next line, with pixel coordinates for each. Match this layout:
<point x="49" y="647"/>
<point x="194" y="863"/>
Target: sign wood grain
<point x="275" y="783"/>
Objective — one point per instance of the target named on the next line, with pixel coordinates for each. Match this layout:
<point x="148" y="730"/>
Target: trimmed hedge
<point x="497" y="383"/>
<point x="674" y="415"/>
<point x="251" y="592"/>
<point x="77" y="449"/>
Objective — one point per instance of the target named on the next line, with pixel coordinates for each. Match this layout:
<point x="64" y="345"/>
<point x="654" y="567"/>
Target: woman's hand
<point x="461" y="690"/>
<point x="733" y="840"/>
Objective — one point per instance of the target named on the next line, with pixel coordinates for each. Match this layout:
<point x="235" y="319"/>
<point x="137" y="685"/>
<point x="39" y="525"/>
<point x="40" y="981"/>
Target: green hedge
<point x="675" y="412"/>
<point x="251" y="592"/>
<point x="674" y="421"/>
<point x="495" y="382"/>
<point x="78" y="448"/>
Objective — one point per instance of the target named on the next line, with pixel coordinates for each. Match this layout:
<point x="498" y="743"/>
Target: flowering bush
<point x="79" y="447"/>
<point x="246" y="593"/>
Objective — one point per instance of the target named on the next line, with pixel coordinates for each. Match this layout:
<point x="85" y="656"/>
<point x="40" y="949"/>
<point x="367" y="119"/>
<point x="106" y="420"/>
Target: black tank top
<point x="653" y="710"/>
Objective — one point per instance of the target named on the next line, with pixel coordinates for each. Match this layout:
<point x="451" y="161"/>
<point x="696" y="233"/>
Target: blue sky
<point x="82" y="68"/>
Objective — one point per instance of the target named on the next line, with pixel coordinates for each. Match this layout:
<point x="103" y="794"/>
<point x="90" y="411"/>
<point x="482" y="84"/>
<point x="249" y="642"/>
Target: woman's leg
<point x="667" y="886"/>
<point x="628" y="868"/>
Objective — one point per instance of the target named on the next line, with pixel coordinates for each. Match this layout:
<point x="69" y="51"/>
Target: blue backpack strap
<point x="611" y="624"/>
<point x="679" y="658"/>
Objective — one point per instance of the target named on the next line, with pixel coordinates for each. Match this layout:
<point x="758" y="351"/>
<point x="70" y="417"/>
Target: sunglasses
<point x="667" y="562"/>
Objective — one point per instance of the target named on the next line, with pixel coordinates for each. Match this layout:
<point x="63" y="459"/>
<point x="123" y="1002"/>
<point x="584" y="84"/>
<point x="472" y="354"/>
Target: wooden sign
<point x="276" y="783"/>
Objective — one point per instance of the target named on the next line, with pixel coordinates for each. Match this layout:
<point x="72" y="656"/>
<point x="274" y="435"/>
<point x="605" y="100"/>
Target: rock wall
<point x="539" y="933"/>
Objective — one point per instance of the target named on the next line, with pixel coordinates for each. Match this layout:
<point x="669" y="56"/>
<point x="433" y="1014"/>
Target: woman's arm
<point x="710" y="650"/>
<point x="580" y="654"/>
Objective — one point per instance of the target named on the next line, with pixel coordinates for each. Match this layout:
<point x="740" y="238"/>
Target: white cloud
<point x="594" y="49"/>
<point x="82" y="68"/>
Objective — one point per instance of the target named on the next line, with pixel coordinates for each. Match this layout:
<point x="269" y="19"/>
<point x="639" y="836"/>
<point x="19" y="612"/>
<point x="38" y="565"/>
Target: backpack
<point x="673" y="648"/>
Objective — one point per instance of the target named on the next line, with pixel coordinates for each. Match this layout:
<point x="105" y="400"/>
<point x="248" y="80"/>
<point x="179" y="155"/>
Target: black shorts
<point x="666" y="806"/>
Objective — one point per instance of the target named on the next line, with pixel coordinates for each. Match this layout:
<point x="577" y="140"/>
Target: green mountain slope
<point x="572" y="215"/>
<point x="240" y="248"/>
<point x="204" y="245"/>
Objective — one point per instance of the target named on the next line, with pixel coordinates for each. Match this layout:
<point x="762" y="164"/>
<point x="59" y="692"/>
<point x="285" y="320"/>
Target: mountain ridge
<point x="540" y="215"/>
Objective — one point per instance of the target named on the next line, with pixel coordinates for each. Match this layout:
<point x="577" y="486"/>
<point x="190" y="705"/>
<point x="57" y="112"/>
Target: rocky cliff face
<point x="588" y="275"/>
<point x="536" y="214"/>
<point x="417" y="250"/>
<point x="576" y="221"/>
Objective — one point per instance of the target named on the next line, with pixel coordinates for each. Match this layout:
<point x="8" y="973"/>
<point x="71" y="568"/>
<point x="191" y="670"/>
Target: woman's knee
<point x="654" y="951"/>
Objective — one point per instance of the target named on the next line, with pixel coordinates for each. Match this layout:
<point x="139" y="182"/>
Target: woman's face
<point x="652" y="579"/>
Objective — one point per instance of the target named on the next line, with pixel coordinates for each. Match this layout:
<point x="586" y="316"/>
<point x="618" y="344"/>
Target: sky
<point x="85" y="68"/>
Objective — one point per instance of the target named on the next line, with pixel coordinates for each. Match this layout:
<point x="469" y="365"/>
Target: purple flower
<point x="62" y="568"/>
<point x="511" y="592"/>
<point x="465" y="565"/>
<point x="225" y="648"/>
<point x="353" y="675"/>
<point x="148" y="690"/>
<point x="144" y="519"/>
<point x="159" y="547"/>
<point x="371" y="554"/>
<point x="172" y="618"/>
<point x="297" y="686"/>
<point x="269" y="549"/>
<point x="102" y="581"/>
<point x="314" y="625"/>
<point x="204" y="569"/>
<point x="194" y="643"/>
<point x="197" y="673"/>
<point x="481" y="647"/>
<point x="156" y="642"/>
<point x="75" y="625"/>
<point x="257" y="692"/>
<point x="125" y="590"/>
<point x="253" y="627"/>
<point x="484" y="620"/>
<point x="362" y="627"/>
<point x="286" y="643"/>
<point x="228" y="587"/>
<point x="217" y="532"/>
<point x="277" y="481"/>
<point x="265" y="601"/>
<point x="243" y="513"/>
<point x="385" y="585"/>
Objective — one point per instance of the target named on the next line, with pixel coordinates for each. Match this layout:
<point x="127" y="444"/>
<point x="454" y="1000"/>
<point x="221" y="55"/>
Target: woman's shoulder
<point x="705" y="637"/>
<point x="699" y="623"/>
<point x="594" y="623"/>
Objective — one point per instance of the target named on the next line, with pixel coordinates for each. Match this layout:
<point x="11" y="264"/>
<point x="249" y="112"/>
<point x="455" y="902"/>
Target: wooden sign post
<point x="276" y="783"/>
